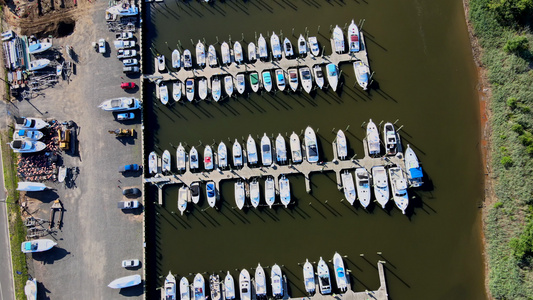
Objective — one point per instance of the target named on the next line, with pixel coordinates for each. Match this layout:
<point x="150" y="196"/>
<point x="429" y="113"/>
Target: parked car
<point x="101" y="46"/>
<point x="129" y="168"/>
<point x="126" y="53"/>
<point x="130" y="69"/>
<point x="128" y="85"/>
<point x="122" y="44"/>
<point x="130" y="263"/>
<point x="130" y="62"/>
<point x="128" y="204"/>
<point x="131" y="192"/>
<point x="125" y="116"/>
<point x="124" y="35"/>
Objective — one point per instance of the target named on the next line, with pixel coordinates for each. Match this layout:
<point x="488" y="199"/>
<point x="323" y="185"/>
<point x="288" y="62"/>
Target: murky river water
<point x="424" y="80"/>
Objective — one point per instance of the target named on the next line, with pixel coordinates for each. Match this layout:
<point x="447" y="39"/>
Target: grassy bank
<point x="506" y="43"/>
<point x="17" y="231"/>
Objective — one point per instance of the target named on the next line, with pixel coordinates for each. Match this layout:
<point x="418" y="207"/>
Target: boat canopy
<point x="29" y="246"/>
<point x="416" y="172"/>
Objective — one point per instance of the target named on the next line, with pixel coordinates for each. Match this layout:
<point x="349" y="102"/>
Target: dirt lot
<point x="95" y="236"/>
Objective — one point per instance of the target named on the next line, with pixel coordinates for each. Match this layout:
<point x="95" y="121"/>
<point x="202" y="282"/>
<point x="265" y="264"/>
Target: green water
<point x="424" y="79"/>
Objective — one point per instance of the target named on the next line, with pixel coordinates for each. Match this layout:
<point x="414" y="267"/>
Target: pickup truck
<point x="128" y="204"/>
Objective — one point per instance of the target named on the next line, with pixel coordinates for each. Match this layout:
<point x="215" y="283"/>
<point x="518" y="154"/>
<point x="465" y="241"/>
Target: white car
<point x="121" y="44"/>
<point x="101" y="46"/>
<point x="130" y="69"/>
<point x="130" y="62"/>
<point x="125" y="116"/>
<point x="125" y="35"/>
<point x="122" y="53"/>
<point x="130" y="263"/>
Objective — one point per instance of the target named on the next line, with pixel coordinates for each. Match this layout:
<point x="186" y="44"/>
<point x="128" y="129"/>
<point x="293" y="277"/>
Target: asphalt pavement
<point x="6" y="277"/>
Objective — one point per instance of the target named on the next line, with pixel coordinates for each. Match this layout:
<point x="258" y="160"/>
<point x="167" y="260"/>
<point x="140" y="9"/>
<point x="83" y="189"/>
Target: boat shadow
<point x="46" y="196"/>
<point x="133" y="291"/>
<point x="51" y="256"/>
<point x="42" y="291"/>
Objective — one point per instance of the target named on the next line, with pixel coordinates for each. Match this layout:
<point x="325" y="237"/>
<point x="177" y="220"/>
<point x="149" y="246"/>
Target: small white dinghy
<point x="319" y="76"/>
<point x="311" y="147"/>
<point x="287" y="48"/>
<point x="187" y="58"/>
<point x="333" y="76"/>
<point x="200" y="54"/>
<point x="252" y="53"/>
<point x="181" y="159"/>
<point x="313" y="45"/>
<point x="362" y="184"/>
<point x="296" y="148"/>
<point x="399" y="188"/>
<point x="183" y="198"/>
<point x="241" y="84"/>
<point x="226" y="58"/>
<point x="237" y="154"/>
<point x="266" y="151"/>
<point x="165" y="158"/>
<point x="307" y="79"/>
<point x="202" y="88"/>
<point x="212" y="56"/>
<point x="31" y="186"/>
<point x="216" y="88"/>
<point x="381" y="185"/>
<point x="293" y="79"/>
<point x="237" y="51"/>
<point x="372" y="139"/>
<point x="185" y="289"/>
<point x="189" y="89"/>
<point x="208" y="158"/>
<point x="267" y="80"/>
<point x="177" y="90"/>
<point x="280" y="79"/>
<point x="263" y="52"/>
<point x="195" y="192"/>
<point x="270" y="191"/>
<point x="222" y="155"/>
<point x="254" y="81"/>
<point x="251" y="150"/>
<point x="239" y="194"/>
<point x="160" y="63"/>
<point x="348" y="186"/>
<point x="176" y="59"/>
<point x="362" y="74"/>
<point x="309" y="277"/>
<point x="163" y="93"/>
<point x="302" y="45"/>
<point x="152" y="163"/>
<point x="194" y="162"/>
<point x="284" y="191"/>
<point x="228" y="85"/>
<point x="124" y="282"/>
<point x="254" y="193"/>
<point x="276" y="46"/>
<point x="281" y="149"/>
<point x="342" y="148"/>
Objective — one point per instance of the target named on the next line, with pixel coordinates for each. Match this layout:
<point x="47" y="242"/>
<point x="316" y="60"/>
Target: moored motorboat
<point x="202" y="88"/>
<point x="195" y="192"/>
<point x="338" y="39"/>
<point x="237" y="154"/>
<point x="194" y="162"/>
<point x="340" y="273"/>
<point x="160" y="59"/>
<point x="276" y="46"/>
<point x="183" y="198"/>
<point x="287" y="48"/>
<point x="187" y="58"/>
<point x="38" y="64"/>
<point x="252" y="52"/>
<point x="284" y="190"/>
<point x="125" y="282"/>
<point x="362" y="184"/>
<point x="208" y="158"/>
<point x="302" y="45"/>
<point x="342" y="147"/>
<point x="281" y="149"/>
<point x="199" y="287"/>
<point x="226" y="58"/>
<point x="311" y="147"/>
<point x="181" y="157"/>
<point x="296" y="148"/>
<point x="31" y="186"/>
<point x="254" y="193"/>
<point x="177" y="90"/>
<point x="362" y="74"/>
<point x="276" y="278"/>
<point x="353" y="37"/>
<point x="381" y="185"/>
<point x="30" y="289"/>
<point x="270" y="191"/>
<point x="237" y="52"/>
<point x="189" y="89"/>
<point x="229" y="287"/>
<point x="254" y="81"/>
<point x="123" y="9"/>
<point x="266" y="151"/>
<point x="27" y="146"/>
<point x="251" y="150"/>
<point x="399" y="188"/>
<point x="307" y="79"/>
<point x="332" y="74"/>
<point x="239" y="194"/>
<point x="152" y="163"/>
<point x="348" y="186"/>
<point x="163" y="93"/>
<point x="35" y="123"/>
<point x="228" y="85"/>
<point x="260" y="282"/>
<point x="319" y="76"/>
<point x="222" y="154"/>
<point x="414" y="170"/>
<point x="313" y="45"/>
<point x="309" y="277"/>
<point x="165" y="161"/>
<point x="293" y="79"/>
<point x="261" y="43"/>
<point x="244" y="285"/>
<point x="214" y="287"/>
<point x="119" y="104"/>
<point x="39" y="245"/>
<point x="211" y="192"/>
<point x="216" y="88"/>
<point x="280" y="79"/>
<point x="372" y="139"/>
<point x="30" y="135"/>
<point x="390" y="138"/>
<point x="176" y="59"/>
<point x="267" y="80"/>
<point x="168" y="292"/>
<point x="200" y="54"/>
<point x="212" y="56"/>
<point x="185" y="289"/>
<point x="241" y="84"/>
<point x="324" y="280"/>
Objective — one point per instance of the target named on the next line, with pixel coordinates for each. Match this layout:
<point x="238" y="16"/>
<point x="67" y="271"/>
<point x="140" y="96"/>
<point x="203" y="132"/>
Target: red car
<point x="128" y="85"/>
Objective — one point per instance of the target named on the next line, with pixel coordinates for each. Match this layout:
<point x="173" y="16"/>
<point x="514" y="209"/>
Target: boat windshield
<point x="313" y="150"/>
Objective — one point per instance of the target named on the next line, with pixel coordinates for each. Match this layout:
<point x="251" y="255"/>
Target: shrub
<point x="507" y="161"/>
<point x="523" y="245"/>
<point x="517" y="128"/>
<point x="524" y="108"/>
<point x="526" y="139"/>
<point x="516" y="44"/>
<point x="511" y="102"/>
<point x="498" y="204"/>
<point x="511" y="12"/>
<point x="529" y="149"/>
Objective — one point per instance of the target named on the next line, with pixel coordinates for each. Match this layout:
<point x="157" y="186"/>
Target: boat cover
<point x="416" y="172"/>
<point x="34" y="47"/>
<point x="28" y="246"/>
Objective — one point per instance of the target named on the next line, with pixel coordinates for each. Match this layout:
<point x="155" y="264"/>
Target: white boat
<point x="296" y="148"/>
<point x="237" y="52"/>
<point x="189" y="89"/>
<point x="362" y="74"/>
<point x="309" y="277"/>
<point x="275" y="45"/>
<point x="183" y="198"/>
<point x="62" y="174"/>
<point x="30" y="289"/>
<point x="340" y="273"/>
<point x="229" y="287"/>
<point x="311" y="147"/>
<point x="165" y="158"/>
<point x="293" y="79"/>
<point x="319" y="76"/>
<point x="181" y="159"/>
<point x="202" y="88"/>
<point x="163" y="93"/>
<point x="21" y="146"/>
<point x="59" y="70"/>
<point x="177" y="88"/>
<point x="245" y="290"/>
<point x="362" y="184"/>
<point x="287" y="48"/>
<point x="348" y="186"/>
<point x="338" y="39"/>
<point x="414" y="170"/>
<point x="152" y="163"/>
<point x="187" y="58"/>
<point x="267" y="80"/>
<point x="254" y="193"/>
<point x="124" y="282"/>
<point x="169" y="288"/>
<point x="120" y="104"/>
<point x="381" y="185"/>
<point x="276" y="281"/>
<point x="313" y="45"/>
<point x="372" y="139"/>
<point x="251" y="150"/>
<point x="239" y="194"/>
<point x="216" y="88"/>
<point x="226" y="58"/>
<point x="260" y="282"/>
<point x="254" y="81"/>
<point x="333" y="75"/>
<point x="212" y="56"/>
<point x="302" y="45"/>
<point x="284" y="190"/>
<point x="353" y="37"/>
<point x="214" y="287"/>
<point x="390" y="138"/>
<point x="30" y="135"/>
<point x="324" y="280"/>
<point x="200" y="54"/>
<point x="263" y="52"/>
<point x="160" y="59"/>
<point x="38" y="64"/>
<point x="37" y="245"/>
<point x="307" y="79"/>
<point x="241" y="84"/>
<point x="237" y="154"/>
<point x="281" y="149"/>
<point x="222" y="155"/>
<point x="176" y="59"/>
<point x="38" y="47"/>
<point x="211" y="193"/>
<point x="252" y="52"/>
<point x="228" y="85"/>
<point x="195" y="192"/>
<point x="185" y="289"/>
<point x="270" y="191"/>
<point x="399" y="188"/>
<point x="193" y="159"/>
<point x="31" y="186"/>
<point x="30" y="123"/>
<point x="342" y="147"/>
<point x="280" y="79"/>
<point x="123" y="9"/>
<point x="208" y="158"/>
<point x="199" y="287"/>
<point x="266" y="151"/>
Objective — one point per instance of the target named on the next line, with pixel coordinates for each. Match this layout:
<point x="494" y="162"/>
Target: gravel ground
<point x="96" y="236"/>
